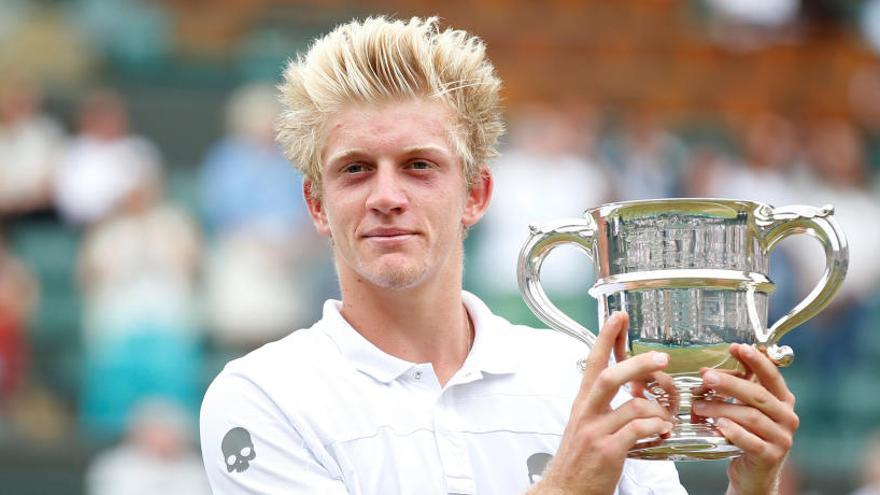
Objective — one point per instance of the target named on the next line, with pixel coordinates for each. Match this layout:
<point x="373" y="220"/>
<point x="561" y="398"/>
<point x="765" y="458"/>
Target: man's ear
<point x="478" y="198"/>
<point x="316" y="208"/>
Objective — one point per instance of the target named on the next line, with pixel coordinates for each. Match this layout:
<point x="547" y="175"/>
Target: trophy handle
<point x="819" y="223"/>
<point x="576" y="231"/>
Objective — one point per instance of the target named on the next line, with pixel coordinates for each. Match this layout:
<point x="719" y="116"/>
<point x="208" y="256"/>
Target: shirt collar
<point x="492" y="351"/>
<point x="359" y="351"/>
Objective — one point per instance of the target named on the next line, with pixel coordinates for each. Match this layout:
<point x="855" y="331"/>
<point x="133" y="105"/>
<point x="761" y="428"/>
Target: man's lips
<point x="387" y="233"/>
<point x="388" y="237"/>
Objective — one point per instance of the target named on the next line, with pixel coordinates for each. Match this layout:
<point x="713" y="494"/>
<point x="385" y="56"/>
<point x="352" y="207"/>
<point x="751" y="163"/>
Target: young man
<point x="410" y="385"/>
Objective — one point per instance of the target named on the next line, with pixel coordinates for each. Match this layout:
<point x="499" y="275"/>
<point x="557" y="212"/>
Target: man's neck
<point x="425" y="324"/>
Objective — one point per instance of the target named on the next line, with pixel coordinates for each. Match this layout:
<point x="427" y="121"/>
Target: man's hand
<point x="762" y="422"/>
<point x="595" y="442"/>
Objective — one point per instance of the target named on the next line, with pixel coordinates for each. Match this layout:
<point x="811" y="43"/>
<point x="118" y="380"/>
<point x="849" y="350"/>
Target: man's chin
<point x="396" y="277"/>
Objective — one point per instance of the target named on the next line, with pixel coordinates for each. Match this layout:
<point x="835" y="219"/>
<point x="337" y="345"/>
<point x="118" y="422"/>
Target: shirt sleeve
<point x="650" y="478"/>
<point x="250" y="446"/>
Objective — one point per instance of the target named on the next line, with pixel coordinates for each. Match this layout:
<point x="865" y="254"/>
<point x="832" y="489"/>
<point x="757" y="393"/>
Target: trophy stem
<point x="693" y="438"/>
<point x="687" y="388"/>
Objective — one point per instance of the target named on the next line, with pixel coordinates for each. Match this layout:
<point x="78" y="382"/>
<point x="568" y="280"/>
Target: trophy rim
<point x="724" y="207"/>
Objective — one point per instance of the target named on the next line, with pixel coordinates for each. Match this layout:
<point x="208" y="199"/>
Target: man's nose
<point x="388" y="194"/>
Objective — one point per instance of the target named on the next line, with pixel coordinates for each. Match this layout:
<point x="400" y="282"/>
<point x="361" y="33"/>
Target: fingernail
<point x="721" y="422"/>
<point x="746" y="350"/>
<point x="667" y="427"/>
<point x="711" y="378"/>
<point x="699" y="406"/>
<point x="661" y="358"/>
<point x="615" y="318"/>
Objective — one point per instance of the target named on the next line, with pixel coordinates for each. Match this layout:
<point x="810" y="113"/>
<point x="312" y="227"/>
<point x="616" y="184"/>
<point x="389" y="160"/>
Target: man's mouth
<point x="387" y="233"/>
<point x="388" y="236"/>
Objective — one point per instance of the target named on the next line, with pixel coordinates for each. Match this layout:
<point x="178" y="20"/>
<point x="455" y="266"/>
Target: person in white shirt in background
<point x="155" y="457"/>
<point x="103" y="163"/>
<point x="409" y="384"/>
<point x="30" y="143"/>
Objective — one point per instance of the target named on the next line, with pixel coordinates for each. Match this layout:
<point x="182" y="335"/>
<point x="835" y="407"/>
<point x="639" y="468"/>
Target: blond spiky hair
<point x="380" y="59"/>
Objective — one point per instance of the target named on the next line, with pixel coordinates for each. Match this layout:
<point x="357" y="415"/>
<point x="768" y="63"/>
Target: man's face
<point x="394" y="198"/>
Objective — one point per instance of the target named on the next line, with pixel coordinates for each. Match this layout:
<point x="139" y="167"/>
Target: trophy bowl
<point x="693" y="276"/>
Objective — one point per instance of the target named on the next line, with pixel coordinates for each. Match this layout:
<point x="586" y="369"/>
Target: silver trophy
<point x="692" y="274"/>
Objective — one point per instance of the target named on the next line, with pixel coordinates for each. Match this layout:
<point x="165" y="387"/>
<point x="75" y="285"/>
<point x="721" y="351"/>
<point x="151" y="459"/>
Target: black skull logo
<point x="238" y="450"/>
<point x="536" y="465"/>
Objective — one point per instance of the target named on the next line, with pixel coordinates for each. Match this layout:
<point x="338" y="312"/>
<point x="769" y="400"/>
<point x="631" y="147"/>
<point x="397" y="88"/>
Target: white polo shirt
<point x="325" y="411"/>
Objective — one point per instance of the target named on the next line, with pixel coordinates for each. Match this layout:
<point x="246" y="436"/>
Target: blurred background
<point x="150" y="230"/>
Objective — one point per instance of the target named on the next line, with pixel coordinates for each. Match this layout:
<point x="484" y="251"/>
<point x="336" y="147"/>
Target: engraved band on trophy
<point x="693" y="276"/>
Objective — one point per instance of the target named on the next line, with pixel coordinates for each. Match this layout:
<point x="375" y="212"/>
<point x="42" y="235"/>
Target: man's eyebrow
<point x="411" y="150"/>
<point x="346" y="153"/>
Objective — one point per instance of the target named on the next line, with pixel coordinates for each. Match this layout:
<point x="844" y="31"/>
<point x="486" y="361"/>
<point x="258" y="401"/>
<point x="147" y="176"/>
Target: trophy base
<point x="686" y="442"/>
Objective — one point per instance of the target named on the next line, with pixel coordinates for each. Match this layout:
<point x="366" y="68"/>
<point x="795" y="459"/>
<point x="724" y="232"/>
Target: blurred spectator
<point x="767" y="172"/>
<point x="870" y="483"/>
<point x="841" y="178"/>
<point x="768" y="13"/>
<point x="38" y="40"/>
<point x="18" y="299"/>
<point x="646" y="159"/>
<point x="768" y="169"/>
<point x="29" y="146"/>
<point x="864" y="103"/>
<point x="543" y="176"/>
<point x="246" y="183"/>
<point x="705" y="163"/>
<point x="266" y="254"/>
<point x="831" y="343"/>
<point x="103" y="163"/>
<point x="746" y="25"/>
<point x="137" y="270"/>
<point x="155" y="458"/>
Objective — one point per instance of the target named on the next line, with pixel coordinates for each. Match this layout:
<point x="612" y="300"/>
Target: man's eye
<point x="421" y="165"/>
<point x="354" y="168"/>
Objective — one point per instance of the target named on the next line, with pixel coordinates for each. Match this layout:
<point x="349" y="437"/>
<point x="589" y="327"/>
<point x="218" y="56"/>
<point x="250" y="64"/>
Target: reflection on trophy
<point x="692" y="274"/>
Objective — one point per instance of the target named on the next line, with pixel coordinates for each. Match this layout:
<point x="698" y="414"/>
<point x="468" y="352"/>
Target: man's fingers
<point x="631" y="410"/>
<point x="739" y="373"/>
<point x="620" y="342"/>
<point x="597" y="360"/>
<point x="659" y="386"/>
<point x="752" y="394"/>
<point x="765" y="370"/>
<point x="751" y="444"/>
<point x="608" y="382"/>
<point x="638" y="429"/>
<point x="664" y="388"/>
<point x="750" y="418"/>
